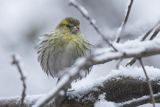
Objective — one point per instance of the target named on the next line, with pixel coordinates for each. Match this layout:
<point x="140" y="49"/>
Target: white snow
<point x="80" y="88"/>
<point x="135" y="72"/>
<point x="84" y="10"/>
<point x="130" y="48"/>
<point x="137" y="45"/>
<point x="102" y="102"/>
<point x="93" y="21"/>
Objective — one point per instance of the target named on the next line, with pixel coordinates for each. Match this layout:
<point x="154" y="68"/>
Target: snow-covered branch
<point x="15" y="101"/>
<point x="153" y="32"/>
<point x="16" y="62"/>
<point x="121" y="86"/>
<point x="126" y="50"/>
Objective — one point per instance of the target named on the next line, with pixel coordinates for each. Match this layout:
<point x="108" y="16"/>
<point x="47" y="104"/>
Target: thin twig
<point x="155" y="33"/>
<point x="147" y="34"/>
<point x="150" y="31"/>
<point x="122" y="27"/>
<point x="118" y="63"/>
<point x="148" y="81"/>
<point x="16" y="62"/>
<point x="156" y="27"/>
<point x="83" y="12"/>
<point x="139" y="101"/>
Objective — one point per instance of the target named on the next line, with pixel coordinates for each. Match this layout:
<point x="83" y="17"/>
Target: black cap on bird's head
<point x="71" y="23"/>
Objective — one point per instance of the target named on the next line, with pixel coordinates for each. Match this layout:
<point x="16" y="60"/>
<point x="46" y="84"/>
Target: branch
<point x="15" y="101"/>
<point x="155" y="27"/>
<point x="148" y="81"/>
<point x="120" y="86"/>
<point x="16" y="62"/>
<point x="155" y="30"/>
<point x="122" y="27"/>
<point x="64" y="82"/>
<point x="128" y="50"/>
<point x="140" y="101"/>
<point x="84" y="13"/>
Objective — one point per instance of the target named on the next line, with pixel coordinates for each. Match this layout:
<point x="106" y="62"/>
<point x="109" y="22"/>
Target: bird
<point x="60" y="48"/>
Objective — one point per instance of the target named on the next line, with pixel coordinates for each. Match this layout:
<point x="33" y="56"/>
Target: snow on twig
<point x="134" y="72"/>
<point x="16" y="62"/>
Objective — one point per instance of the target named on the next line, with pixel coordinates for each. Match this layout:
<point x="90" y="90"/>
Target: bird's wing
<point x="48" y="55"/>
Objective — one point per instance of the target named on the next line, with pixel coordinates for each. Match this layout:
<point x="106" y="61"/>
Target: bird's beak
<point x="75" y="29"/>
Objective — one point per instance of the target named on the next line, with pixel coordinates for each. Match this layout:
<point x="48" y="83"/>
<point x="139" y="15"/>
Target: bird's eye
<point x="70" y="25"/>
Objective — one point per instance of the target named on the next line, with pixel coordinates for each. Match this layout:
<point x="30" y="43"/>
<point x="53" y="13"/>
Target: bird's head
<point x="70" y="24"/>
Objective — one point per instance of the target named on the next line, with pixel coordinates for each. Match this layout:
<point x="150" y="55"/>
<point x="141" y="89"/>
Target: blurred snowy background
<point x="23" y="21"/>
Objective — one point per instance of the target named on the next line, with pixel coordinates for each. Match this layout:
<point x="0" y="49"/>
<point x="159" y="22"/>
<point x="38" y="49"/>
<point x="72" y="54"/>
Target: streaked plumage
<point x="60" y="49"/>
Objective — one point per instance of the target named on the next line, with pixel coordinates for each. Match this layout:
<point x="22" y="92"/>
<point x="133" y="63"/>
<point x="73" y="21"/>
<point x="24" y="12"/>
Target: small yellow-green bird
<point x="60" y="48"/>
